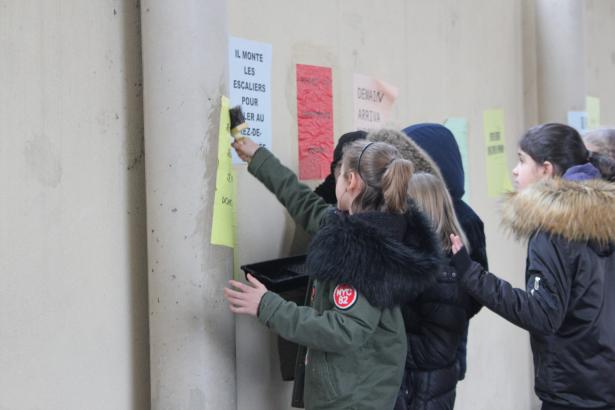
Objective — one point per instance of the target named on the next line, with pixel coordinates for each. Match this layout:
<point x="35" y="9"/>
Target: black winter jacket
<point x="437" y="323"/>
<point x="568" y="305"/>
<point x="435" y="326"/>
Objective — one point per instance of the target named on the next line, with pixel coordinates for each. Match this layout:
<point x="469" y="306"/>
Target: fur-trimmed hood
<point x="577" y="211"/>
<point x="388" y="258"/>
<point x="408" y="149"/>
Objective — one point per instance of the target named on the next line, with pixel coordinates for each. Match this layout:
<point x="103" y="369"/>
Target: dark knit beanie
<point x="327" y="189"/>
<point x="343" y="141"/>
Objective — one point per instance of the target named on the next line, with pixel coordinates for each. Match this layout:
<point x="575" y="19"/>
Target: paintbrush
<point x="238" y="122"/>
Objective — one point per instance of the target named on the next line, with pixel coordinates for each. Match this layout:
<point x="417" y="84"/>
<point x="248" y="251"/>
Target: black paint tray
<point x="280" y="275"/>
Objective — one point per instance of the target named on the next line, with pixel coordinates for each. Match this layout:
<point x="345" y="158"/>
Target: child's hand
<point x="456" y="243"/>
<point x="245" y="148"/>
<point x="244" y="298"/>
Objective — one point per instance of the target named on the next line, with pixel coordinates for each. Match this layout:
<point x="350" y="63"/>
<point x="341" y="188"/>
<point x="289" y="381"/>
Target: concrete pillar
<point x="192" y="342"/>
<point x="560" y="58"/>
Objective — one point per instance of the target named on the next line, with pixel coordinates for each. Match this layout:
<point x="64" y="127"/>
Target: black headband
<point x="359" y="162"/>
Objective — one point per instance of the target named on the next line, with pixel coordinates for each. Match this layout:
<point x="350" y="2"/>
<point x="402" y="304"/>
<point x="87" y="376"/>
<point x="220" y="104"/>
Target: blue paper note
<point x="578" y="120"/>
<point x="459" y="128"/>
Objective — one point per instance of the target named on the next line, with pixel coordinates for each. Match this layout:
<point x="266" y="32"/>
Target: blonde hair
<point x="601" y="141"/>
<point x="432" y="197"/>
<point x="385" y="176"/>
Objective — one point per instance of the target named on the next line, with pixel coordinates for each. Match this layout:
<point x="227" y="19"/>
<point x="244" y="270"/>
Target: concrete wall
<point x="73" y="299"/>
<point x="73" y="293"/>
<point x="447" y="59"/>
<point x="599" y="56"/>
<point x="575" y="57"/>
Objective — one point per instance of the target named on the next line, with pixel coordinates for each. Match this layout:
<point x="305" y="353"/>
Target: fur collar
<point x="388" y="265"/>
<point x="578" y="211"/>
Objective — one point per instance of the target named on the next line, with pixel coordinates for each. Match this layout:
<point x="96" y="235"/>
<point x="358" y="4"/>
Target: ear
<point x="548" y="169"/>
<point x="354" y="181"/>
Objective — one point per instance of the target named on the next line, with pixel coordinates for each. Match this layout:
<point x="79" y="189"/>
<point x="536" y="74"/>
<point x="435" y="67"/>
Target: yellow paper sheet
<point x="592" y="106"/>
<point x="223" y="221"/>
<point x="498" y="173"/>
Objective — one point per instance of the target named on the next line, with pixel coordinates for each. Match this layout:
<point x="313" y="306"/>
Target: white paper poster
<point x="250" y="86"/>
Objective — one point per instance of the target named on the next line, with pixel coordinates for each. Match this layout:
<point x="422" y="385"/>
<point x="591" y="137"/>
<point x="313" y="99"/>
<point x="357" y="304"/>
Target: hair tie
<point x="359" y="162"/>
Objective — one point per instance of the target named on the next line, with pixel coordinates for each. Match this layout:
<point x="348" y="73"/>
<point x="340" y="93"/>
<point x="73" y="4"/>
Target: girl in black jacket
<point x="437" y="320"/>
<point x="567" y="213"/>
<point x="440" y="144"/>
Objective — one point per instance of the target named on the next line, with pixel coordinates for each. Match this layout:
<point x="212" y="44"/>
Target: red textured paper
<point x="315" y="121"/>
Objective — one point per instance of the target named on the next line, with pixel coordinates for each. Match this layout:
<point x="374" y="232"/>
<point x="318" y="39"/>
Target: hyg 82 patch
<point x="344" y="296"/>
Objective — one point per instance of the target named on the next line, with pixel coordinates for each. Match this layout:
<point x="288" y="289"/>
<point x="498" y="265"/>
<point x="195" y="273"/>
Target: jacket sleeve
<point x="540" y="308"/>
<point x="479" y="255"/>
<point x="332" y="331"/>
<point x="306" y="207"/>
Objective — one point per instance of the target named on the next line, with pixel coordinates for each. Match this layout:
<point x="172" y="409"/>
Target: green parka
<point x="355" y="357"/>
<point x="363" y="267"/>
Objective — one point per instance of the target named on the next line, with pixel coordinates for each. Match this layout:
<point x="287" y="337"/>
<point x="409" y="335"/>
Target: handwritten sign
<point x="373" y="102"/>
<point x="223" y="221"/>
<point x="498" y="179"/>
<point x="315" y="121"/>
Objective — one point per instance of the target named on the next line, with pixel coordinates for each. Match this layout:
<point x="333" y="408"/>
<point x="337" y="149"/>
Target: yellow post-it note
<point x="592" y="106"/>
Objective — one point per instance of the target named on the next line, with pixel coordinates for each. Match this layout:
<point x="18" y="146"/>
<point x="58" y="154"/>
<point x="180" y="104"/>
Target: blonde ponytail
<point x="395" y="185"/>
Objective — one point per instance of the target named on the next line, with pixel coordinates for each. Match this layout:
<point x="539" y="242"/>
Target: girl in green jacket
<point x="373" y="254"/>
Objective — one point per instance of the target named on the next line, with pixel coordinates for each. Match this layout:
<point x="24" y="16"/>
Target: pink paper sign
<point x="373" y="102"/>
<point x="315" y="121"/>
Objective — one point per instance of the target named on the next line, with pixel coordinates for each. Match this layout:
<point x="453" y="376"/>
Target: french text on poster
<point x="373" y="102"/>
<point x="250" y="86"/>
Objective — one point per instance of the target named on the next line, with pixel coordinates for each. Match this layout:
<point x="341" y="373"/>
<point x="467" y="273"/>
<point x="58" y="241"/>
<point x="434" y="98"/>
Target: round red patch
<point x="344" y="296"/>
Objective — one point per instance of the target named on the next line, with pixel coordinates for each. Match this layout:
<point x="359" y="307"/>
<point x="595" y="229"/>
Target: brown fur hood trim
<point x="575" y="210"/>
<point x="408" y="149"/>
